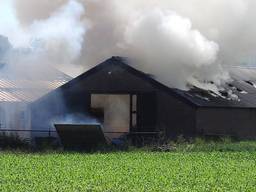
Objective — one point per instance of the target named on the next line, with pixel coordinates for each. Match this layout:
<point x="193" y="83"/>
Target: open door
<point x="116" y="110"/>
<point x="146" y="112"/>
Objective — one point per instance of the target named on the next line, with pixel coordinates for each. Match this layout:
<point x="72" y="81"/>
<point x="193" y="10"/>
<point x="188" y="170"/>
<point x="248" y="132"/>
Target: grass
<point x="225" y="167"/>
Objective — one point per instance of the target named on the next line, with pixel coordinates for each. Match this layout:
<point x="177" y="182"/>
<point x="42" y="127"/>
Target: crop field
<point x="128" y="171"/>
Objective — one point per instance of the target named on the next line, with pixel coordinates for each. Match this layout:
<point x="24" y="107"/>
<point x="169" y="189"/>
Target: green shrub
<point x="13" y="141"/>
<point x="203" y="145"/>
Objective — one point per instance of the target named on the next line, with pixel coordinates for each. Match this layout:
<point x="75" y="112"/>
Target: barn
<point x="128" y="101"/>
<point x="18" y="92"/>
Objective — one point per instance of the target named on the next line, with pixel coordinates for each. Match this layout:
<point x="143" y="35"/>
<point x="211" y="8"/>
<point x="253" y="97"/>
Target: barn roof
<point x="23" y="89"/>
<point x="245" y="88"/>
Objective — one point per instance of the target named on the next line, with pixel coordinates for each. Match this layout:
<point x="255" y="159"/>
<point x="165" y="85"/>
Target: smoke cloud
<point x="163" y="39"/>
<point x="44" y="43"/>
<point x="180" y="42"/>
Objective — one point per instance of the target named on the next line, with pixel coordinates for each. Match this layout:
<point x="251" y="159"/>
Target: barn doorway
<point x="125" y="113"/>
<point x="116" y="111"/>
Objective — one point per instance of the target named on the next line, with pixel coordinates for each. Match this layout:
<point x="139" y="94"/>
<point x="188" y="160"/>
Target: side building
<point x="16" y="95"/>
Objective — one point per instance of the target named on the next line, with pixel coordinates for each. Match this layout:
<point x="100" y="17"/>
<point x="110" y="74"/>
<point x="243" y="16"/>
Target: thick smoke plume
<point x="180" y="42"/>
<point x="42" y="44"/>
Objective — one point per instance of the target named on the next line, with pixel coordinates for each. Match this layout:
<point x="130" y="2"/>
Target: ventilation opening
<point x="250" y="83"/>
<point x="237" y="89"/>
<point x="224" y="93"/>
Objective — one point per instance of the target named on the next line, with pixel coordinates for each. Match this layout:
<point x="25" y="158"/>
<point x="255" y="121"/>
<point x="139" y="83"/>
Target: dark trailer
<point x="128" y="101"/>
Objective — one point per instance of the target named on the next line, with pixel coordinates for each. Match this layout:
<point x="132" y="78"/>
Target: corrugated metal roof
<point x="24" y="90"/>
<point x="7" y="97"/>
<point x="243" y="86"/>
<point x="26" y="84"/>
<point x="31" y="86"/>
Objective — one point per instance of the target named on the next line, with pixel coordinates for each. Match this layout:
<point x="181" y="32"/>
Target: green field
<point x="129" y="171"/>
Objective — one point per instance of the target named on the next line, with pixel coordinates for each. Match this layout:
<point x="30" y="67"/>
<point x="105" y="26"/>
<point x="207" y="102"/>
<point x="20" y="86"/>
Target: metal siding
<point x="240" y="123"/>
<point x="45" y="112"/>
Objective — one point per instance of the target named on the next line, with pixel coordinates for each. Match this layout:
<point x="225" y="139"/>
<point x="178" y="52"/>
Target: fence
<point x="38" y="136"/>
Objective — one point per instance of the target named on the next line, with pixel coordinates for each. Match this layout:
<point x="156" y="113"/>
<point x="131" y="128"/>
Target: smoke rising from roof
<point x="180" y="42"/>
<point x="167" y="43"/>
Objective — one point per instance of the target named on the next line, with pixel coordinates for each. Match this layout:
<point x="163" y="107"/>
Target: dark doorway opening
<point x="146" y="112"/>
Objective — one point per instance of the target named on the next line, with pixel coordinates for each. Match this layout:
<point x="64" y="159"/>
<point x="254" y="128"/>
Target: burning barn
<point x="127" y="101"/>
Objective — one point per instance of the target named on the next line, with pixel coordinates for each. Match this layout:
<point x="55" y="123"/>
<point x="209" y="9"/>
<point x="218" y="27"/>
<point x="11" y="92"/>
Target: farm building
<point x="16" y="93"/>
<point x="126" y="100"/>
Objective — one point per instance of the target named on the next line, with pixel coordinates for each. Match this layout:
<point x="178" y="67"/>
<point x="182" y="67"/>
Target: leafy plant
<point x="13" y="141"/>
<point x="203" y="145"/>
<point x="129" y="171"/>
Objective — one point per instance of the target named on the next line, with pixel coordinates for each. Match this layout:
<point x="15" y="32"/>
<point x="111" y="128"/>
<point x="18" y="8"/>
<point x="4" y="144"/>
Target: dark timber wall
<point x="172" y="115"/>
<point x="175" y="117"/>
<point x="237" y="122"/>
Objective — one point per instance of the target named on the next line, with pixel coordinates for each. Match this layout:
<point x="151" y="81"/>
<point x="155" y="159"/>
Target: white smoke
<point x="50" y="42"/>
<point x="180" y="42"/>
<point x="168" y="47"/>
<point x="62" y="33"/>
